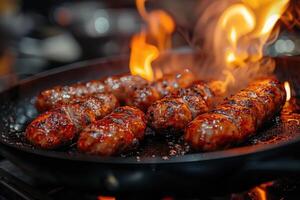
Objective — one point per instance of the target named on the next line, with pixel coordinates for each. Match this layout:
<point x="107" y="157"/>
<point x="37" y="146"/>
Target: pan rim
<point x="193" y="157"/>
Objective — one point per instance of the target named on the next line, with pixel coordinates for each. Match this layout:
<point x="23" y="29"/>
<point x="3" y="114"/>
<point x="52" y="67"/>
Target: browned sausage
<point x="115" y="133"/>
<point x="238" y="118"/>
<point x="61" y="125"/>
<point x="143" y="97"/>
<point x="175" y="111"/>
<point x="130" y="90"/>
<point x="123" y="85"/>
<point x="171" y="82"/>
<point x="120" y="86"/>
<point x="49" y="98"/>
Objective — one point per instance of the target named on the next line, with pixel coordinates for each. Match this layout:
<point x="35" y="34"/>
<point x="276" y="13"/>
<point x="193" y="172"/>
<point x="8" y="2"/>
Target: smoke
<point x="210" y="40"/>
<point x="228" y="41"/>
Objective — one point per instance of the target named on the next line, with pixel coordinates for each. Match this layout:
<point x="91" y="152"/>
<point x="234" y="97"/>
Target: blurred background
<point x="39" y="35"/>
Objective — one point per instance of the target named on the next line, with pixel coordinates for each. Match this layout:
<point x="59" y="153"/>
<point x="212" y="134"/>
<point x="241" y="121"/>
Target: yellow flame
<point x="239" y="14"/>
<point x="246" y="24"/>
<point x="270" y="23"/>
<point x="159" y="28"/>
<point x="142" y="54"/>
<point x="288" y="90"/>
<point x="230" y="57"/>
<point x="233" y="35"/>
<point x="242" y="31"/>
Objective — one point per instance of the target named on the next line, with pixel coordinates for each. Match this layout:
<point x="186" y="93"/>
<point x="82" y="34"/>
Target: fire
<point x="241" y="32"/>
<point x="261" y="192"/>
<point x="247" y="27"/>
<point x="160" y="27"/>
<point x="288" y="90"/>
<point x="142" y="54"/>
<point x="106" y="198"/>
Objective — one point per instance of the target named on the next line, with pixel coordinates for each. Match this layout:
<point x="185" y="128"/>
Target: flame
<point x="240" y="34"/>
<point x="160" y="26"/>
<point x="142" y="54"/>
<point x="288" y="90"/>
<point x="247" y="27"/>
<point x="233" y="35"/>
<point x="106" y="198"/>
<point x="261" y="192"/>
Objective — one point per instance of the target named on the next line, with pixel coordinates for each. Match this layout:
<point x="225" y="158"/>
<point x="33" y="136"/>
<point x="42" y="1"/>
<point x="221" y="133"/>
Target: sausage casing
<point x="238" y="117"/>
<point x="123" y="85"/>
<point x="52" y="97"/>
<point x="175" y="111"/>
<point x="129" y="89"/>
<point x="119" y="86"/>
<point x="61" y="125"/>
<point x="171" y="82"/>
<point x="115" y="133"/>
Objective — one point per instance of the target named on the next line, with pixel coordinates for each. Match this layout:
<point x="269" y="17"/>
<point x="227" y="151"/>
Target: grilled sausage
<point x="143" y="96"/>
<point x="115" y="133"/>
<point x="178" y="109"/>
<point x="130" y="90"/>
<point x="120" y="86"/>
<point x="238" y="117"/>
<point x="123" y="85"/>
<point x="61" y="125"/>
<point x="52" y="97"/>
<point x="171" y="82"/>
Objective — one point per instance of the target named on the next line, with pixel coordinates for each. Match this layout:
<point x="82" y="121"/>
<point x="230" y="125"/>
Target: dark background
<point x="39" y="35"/>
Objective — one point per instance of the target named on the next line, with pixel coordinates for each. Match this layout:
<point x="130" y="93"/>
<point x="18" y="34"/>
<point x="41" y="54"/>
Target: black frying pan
<point x="150" y="169"/>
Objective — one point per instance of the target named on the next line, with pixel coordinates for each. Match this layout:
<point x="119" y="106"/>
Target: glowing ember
<point x="160" y="26"/>
<point x="288" y="90"/>
<point x="261" y="190"/>
<point x="106" y="198"/>
<point x="261" y="193"/>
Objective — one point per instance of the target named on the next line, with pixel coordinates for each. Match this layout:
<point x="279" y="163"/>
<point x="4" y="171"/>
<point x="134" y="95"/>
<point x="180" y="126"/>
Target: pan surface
<point x="159" y="163"/>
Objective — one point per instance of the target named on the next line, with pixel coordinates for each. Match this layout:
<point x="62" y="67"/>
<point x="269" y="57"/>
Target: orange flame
<point x="160" y="26"/>
<point x="247" y="26"/>
<point x="242" y="31"/>
<point x="261" y="190"/>
<point x="142" y="54"/>
<point x="262" y="195"/>
<point x="288" y="90"/>
<point x="106" y="198"/>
